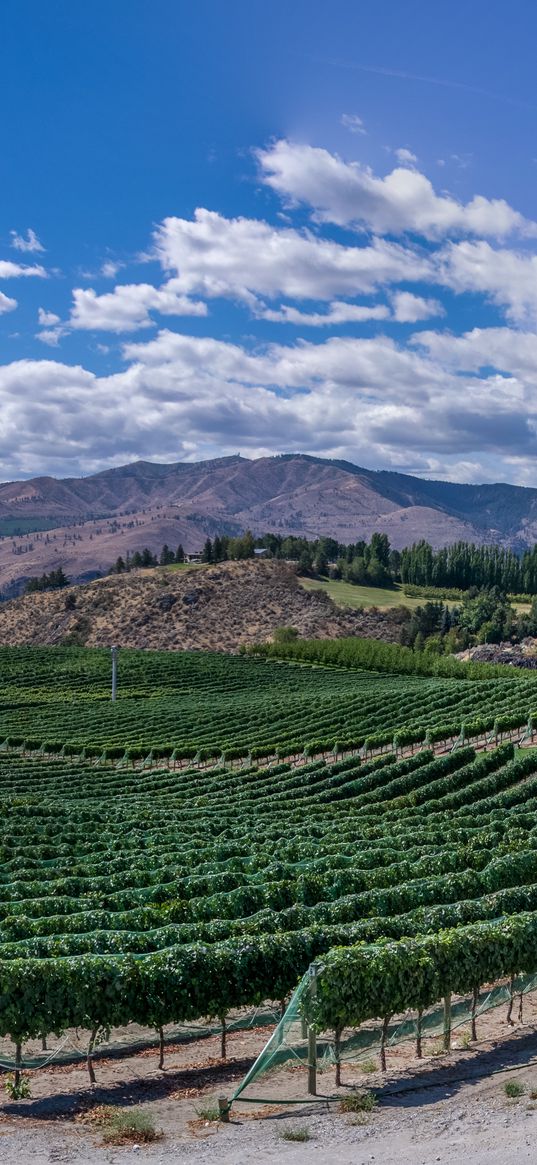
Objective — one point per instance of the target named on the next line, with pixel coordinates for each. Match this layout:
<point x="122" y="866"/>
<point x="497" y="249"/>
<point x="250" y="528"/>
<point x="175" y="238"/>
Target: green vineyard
<point x="192" y="703"/>
<point x="157" y="895"/>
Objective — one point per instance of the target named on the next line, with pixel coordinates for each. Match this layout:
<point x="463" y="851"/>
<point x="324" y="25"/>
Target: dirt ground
<point x="448" y="1108"/>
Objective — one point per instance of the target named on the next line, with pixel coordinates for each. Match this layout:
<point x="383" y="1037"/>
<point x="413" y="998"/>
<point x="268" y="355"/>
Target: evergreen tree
<point x="166" y="556"/>
<point x="207" y="553"/>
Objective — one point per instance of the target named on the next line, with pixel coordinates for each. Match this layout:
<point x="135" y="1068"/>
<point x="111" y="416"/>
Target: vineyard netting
<point x="71" y="1047"/>
<point x="290" y="1044"/>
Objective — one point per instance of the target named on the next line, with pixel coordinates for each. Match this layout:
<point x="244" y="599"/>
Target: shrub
<point x="514" y="1089"/>
<point x="296" y="1135"/>
<point x="359" y="1102"/>
<point x="121" y="1126"/>
<point x="17" y="1090"/>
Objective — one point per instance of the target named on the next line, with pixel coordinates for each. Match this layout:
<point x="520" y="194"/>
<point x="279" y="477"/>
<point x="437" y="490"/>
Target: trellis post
<point x="114" y="651"/>
<point x="312" y="1036"/>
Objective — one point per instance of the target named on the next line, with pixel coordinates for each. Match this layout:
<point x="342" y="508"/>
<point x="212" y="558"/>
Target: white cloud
<point x="439" y="403"/>
<point x="507" y="277"/>
<point x="405" y="157"/>
<point x="6" y="303"/>
<point x="245" y="258"/>
<point x="46" y="318"/>
<point x="127" y="307"/>
<point x="354" y="123"/>
<point x="371" y="401"/>
<point x="110" y="268"/>
<point x="30" y="242"/>
<point x="508" y="351"/>
<point x="409" y="308"/>
<point x="51" y="336"/>
<point x="9" y="270"/>
<point x="349" y="194"/>
<point x="337" y="313"/>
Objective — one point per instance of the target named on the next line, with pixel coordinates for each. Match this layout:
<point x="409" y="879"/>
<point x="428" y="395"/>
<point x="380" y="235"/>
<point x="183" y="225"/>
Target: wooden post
<point x="223" y="1109"/>
<point x="91" y="1046"/>
<point x="511" y="1001"/>
<point x="419" y="1025"/>
<point x="312" y="1037"/>
<point x="18" y="1064"/>
<point x="337" y="1055"/>
<point x="447" y="1022"/>
<point x="475" y="1001"/>
<point x="385" y="1025"/>
<point x="161" y="1049"/>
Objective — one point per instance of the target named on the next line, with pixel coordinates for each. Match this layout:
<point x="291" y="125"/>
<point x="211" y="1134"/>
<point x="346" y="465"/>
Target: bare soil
<point x="450" y="1108"/>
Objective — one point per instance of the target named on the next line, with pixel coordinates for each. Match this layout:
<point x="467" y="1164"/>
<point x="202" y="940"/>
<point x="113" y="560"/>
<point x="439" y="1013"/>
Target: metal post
<point x="114" y="651"/>
<point x="312" y="1037"/>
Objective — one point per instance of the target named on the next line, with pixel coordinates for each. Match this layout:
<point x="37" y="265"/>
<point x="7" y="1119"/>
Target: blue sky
<point x="260" y="228"/>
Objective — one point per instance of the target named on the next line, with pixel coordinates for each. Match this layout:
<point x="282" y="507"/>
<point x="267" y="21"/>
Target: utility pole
<point x="114" y="651"/>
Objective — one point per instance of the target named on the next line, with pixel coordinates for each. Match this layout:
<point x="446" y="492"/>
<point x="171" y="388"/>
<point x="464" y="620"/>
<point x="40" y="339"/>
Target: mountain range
<point x="83" y="523"/>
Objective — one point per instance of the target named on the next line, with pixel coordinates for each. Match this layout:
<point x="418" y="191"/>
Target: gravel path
<point x="475" y="1124"/>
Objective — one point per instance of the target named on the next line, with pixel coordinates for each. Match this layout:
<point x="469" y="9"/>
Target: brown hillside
<point x="214" y="608"/>
<point x="97" y="518"/>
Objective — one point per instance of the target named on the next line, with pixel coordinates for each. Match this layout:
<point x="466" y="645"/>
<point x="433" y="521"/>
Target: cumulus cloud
<point x="110" y="268"/>
<point x="46" y="318"/>
<point x="409" y="308"/>
<point x="338" y="313"/>
<point x="438" y="403"/>
<point x="246" y="258"/>
<point x="6" y="303"/>
<point x="28" y="242"/>
<point x="513" y="353"/>
<point x="372" y="401"/>
<point x="354" y="123"/>
<point x="127" y="307"/>
<point x="350" y="194"/>
<point x="51" y="336"/>
<point x="405" y="157"/>
<point x="507" y="277"/>
<point x="9" y="270"/>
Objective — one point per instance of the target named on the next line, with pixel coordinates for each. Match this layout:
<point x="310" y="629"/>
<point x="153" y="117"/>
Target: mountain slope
<point x="120" y="510"/>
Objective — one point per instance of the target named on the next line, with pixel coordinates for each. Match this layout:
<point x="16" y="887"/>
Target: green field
<point x="348" y="595"/>
<point x="147" y="893"/>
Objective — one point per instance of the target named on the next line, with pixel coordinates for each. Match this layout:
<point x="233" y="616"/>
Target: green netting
<point x="289" y="1045"/>
<point x="72" y="1046"/>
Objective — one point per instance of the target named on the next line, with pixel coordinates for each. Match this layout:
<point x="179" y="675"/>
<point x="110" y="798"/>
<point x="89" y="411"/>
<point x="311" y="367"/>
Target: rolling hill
<point x="213" y="608"/>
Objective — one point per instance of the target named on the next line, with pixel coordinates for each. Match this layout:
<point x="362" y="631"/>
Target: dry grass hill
<point x="215" y="608"/>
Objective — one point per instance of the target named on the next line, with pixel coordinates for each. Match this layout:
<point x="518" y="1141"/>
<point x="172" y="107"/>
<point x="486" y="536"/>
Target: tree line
<point x="47" y="582"/>
<point x="464" y="565"/>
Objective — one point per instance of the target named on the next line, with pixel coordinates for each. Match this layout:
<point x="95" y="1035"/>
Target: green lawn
<point x="348" y="595"/>
<point x="184" y="566"/>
